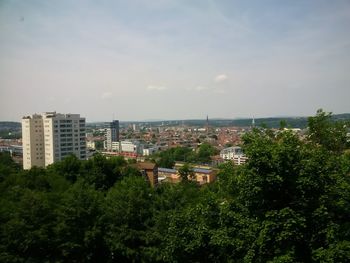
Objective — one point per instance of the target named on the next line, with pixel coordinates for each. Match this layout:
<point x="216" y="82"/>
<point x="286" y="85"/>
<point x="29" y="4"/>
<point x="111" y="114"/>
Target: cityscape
<point x="51" y="136"/>
<point x="175" y="131"/>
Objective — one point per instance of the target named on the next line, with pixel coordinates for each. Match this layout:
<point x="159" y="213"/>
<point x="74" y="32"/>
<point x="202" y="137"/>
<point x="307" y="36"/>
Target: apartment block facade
<point x="50" y="137"/>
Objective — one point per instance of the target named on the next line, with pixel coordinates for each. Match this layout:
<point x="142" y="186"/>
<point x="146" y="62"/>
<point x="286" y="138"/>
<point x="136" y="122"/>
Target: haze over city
<point x="137" y="60"/>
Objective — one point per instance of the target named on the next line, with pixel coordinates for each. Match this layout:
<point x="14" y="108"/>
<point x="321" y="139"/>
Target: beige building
<point x="52" y="136"/>
<point x="200" y="175"/>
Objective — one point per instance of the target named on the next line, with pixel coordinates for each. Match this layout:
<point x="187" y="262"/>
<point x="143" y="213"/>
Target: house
<point x="149" y="170"/>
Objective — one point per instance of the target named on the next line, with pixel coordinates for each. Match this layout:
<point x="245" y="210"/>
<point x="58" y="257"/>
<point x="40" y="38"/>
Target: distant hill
<point x="10" y="130"/>
<point x="271" y="122"/>
<point x="10" y="126"/>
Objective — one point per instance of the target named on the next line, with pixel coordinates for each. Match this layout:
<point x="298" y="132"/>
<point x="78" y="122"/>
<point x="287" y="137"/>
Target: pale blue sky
<point x="162" y="59"/>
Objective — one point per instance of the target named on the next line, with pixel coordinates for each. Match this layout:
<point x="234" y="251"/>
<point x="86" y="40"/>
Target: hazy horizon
<point x="174" y="60"/>
<point x="190" y="119"/>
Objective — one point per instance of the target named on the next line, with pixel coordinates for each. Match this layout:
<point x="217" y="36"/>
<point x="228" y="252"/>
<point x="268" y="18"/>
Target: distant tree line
<point x="272" y="122"/>
<point x="201" y="155"/>
<point x="9" y="134"/>
<point x="289" y="203"/>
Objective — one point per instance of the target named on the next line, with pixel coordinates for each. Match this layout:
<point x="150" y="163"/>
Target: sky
<point x="163" y="59"/>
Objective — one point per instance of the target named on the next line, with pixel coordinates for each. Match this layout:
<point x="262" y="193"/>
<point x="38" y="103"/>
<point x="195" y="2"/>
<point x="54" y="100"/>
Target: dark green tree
<point x="129" y="215"/>
<point x="204" y="152"/>
<point x="7" y="166"/>
<point x="327" y="132"/>
<point x="80" y="228"/>
<point x="186" y="172"/>
<point x="102" y="172"/>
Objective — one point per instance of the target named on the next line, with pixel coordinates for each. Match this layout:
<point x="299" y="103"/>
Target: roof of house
<point x="196" y="170"/>
<point x="145" y="166"/>
<point x="203" y="171"/>
<point x="166" y="170"/>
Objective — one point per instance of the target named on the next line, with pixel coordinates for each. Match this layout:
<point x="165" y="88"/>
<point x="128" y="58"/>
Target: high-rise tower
<point x="112" y="134"/>
<point x="50" y="137"/>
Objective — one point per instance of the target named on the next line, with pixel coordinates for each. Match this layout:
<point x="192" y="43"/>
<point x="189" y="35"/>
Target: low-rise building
<point x="112" y="146"/>
<point x="234" y="154"/>
<point x="150" y="171"/>
<point x="169" y="175"/>
<point x="200" y="175"/>
<point x="131" y="147"/>
<point x="149" y="151"/>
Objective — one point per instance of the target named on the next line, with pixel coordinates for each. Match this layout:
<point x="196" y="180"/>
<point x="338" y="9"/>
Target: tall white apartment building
<point x="50" y="137"/>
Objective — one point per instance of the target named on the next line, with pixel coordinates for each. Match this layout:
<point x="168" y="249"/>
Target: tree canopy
<point x="289" y="203"/>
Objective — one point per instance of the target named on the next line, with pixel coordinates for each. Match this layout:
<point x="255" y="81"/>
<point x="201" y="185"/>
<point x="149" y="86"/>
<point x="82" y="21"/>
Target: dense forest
<point x="289" y="203"/>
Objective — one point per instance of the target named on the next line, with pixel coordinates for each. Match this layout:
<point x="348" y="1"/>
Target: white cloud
<point x="156" y="87"/>
<point x="220" y="78"/>
<point x="210" y="89"/>
<point x="220" y="91"/>
<point x="200" y="88"/>
<point x="106" y="95"/>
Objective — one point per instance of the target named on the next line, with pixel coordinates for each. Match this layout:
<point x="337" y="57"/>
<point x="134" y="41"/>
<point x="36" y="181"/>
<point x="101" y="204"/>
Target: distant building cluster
<point x="113" y="145"/>
<point x="51" y="136"/>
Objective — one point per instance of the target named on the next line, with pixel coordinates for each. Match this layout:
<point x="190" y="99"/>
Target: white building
<point x="91" y="145"/>
<point x="131" y="147"/>
<point x="234" y="154"/>
<point x="50" y="137"/>
<point x="149" y="151"/>
<point x="112" y="147"/>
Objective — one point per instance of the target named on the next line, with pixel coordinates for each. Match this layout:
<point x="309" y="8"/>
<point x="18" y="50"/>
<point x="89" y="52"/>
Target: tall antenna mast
<point x="207" y="123"/>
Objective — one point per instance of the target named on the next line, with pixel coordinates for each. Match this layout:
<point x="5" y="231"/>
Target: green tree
<point x="99" y="145"/>
<point x="166" y="160"/>
<point x="27" y="221"/>
<point x="186" y="172"/>
<point x="129" y="215"/>
<point x="7" y="166"/>
<point x="79" y="231"/>
<point x="328" y="133"/>
<point x="205" y="151"/>
<point x="69" y="168"/>
<point x="102" y="172"/>
<point x="292" y="188"/>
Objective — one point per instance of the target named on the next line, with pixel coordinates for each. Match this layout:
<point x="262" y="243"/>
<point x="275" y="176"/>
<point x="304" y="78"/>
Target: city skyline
<point x="141" y="60"/>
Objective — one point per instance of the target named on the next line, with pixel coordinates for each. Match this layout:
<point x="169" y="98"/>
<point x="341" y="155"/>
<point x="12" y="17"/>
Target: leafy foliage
<point x="167" y="159"/>
<point x="289" y="203"/>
